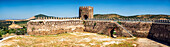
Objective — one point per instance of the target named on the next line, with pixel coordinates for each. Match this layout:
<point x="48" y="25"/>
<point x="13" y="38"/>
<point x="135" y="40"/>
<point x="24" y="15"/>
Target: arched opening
<point x="85" y="17"/>
<point x="112" y="33"/>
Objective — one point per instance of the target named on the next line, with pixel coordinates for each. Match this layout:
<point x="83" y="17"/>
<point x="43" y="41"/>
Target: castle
<point x="129" y="27"/>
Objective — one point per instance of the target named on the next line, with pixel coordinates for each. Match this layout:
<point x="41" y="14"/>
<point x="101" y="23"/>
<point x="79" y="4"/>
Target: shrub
<point x="40" y="21"/>
<point x="94" y="24"/>
<point x="118" y="22"/>
<point x="0" y="34"/>
<point x="11" y="31"/>
<point x="3" y="32"/>
<point x="83" y="22"/>
<point x="20" y="31"/>
<point x="33" y="29"/>
<point x="114" y="32"/>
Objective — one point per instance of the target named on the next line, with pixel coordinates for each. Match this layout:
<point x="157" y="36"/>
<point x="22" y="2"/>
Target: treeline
<point x="147" y="16"/>
<point x="15" y="31"/>
<point x="5" y="24"/>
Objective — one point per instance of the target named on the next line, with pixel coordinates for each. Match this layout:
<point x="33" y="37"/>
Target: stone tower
<point x="85" y="12"/>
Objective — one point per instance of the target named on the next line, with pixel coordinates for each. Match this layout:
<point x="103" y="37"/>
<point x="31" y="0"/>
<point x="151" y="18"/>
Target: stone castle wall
<point x="138" y="29"/>
<point x="54" y="27"/>
<point x="101" y="27"/>
<point x="160" y="32"/>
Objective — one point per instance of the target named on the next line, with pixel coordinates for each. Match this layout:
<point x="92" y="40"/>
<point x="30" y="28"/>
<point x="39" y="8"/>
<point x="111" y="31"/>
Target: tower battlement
<point x="81" y="7"/>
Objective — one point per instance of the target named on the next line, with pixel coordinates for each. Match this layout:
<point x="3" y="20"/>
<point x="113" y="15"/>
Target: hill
<point x="147" y="16"/>
<point x="39" y="15"/>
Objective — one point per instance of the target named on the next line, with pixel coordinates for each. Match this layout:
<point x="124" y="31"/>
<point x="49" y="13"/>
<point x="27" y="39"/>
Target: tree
<point x="3" y="32"/>
<point x="0" y="34"/>
<point x="11" y="31"/>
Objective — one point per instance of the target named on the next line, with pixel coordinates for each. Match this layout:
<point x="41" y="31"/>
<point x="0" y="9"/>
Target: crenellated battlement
<point x="45" y="18"/>
<point x="108" y="19"/>
<point x="81" y="7"/>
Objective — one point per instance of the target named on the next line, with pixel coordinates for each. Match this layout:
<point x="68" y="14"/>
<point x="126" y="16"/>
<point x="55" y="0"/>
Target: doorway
<point x="112" y="32"/>
<point x="85" y="17"/>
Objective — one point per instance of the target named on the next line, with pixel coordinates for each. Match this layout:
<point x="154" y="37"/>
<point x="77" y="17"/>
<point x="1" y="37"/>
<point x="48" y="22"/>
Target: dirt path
<point x="6" y="38"/>
<point x="1" y="43"/>
<point x="145" y="42"/>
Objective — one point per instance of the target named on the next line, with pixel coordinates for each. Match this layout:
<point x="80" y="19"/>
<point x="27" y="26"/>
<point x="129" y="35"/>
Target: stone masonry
<point x="85" y="12"/>
<point x="138" y="29"/>
<point x="47" y="27"/>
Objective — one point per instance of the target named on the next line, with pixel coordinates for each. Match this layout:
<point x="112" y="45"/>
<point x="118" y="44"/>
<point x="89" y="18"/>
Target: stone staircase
<point x="123" y="28"/>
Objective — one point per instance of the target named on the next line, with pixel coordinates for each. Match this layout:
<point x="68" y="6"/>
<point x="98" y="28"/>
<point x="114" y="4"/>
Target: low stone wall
<point x="160" y="32"/>
<point x="54" y="27"/>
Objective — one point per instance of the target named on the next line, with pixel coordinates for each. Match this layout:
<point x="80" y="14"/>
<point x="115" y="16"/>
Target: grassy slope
<point x="76" y="39"/>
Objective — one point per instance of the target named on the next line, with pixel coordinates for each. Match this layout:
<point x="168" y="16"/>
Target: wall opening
<point x="112" y="33"/>
<point x="85" y="17"/>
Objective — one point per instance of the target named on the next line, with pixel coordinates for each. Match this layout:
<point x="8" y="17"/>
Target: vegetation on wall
<point x="0" y="34"/>
<point x="94" y="25"/>
<point x="119" y="22"/>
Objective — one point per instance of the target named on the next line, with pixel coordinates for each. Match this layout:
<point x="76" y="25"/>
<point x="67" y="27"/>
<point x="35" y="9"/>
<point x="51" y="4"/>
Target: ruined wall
<point x="138" y="29"/>
<point x="41" y="27"/>
<point x="160" y="32"/>
<point x="54" y="27"/>
<point x="102" y="27"/>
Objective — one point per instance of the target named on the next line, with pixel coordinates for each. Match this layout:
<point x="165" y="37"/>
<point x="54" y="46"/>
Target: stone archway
<point x="85" y="17"/>
<point x="111" y="31"/>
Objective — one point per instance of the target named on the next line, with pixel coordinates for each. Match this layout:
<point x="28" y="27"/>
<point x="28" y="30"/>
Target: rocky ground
<point x="75" y="39"/>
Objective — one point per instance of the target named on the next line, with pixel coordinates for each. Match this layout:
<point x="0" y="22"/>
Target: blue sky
<point x="21" y="9"/>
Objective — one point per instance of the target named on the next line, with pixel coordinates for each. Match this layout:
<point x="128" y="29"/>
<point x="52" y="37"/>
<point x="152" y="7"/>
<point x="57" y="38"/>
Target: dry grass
<point x="6" y="35"/>
<point x="76" y="39"/>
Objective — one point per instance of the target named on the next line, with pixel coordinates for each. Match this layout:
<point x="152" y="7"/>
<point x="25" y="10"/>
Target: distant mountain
<point x="39" y="15"/>
<point x="148" y="16"/>
<point x="42" y="15"/>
